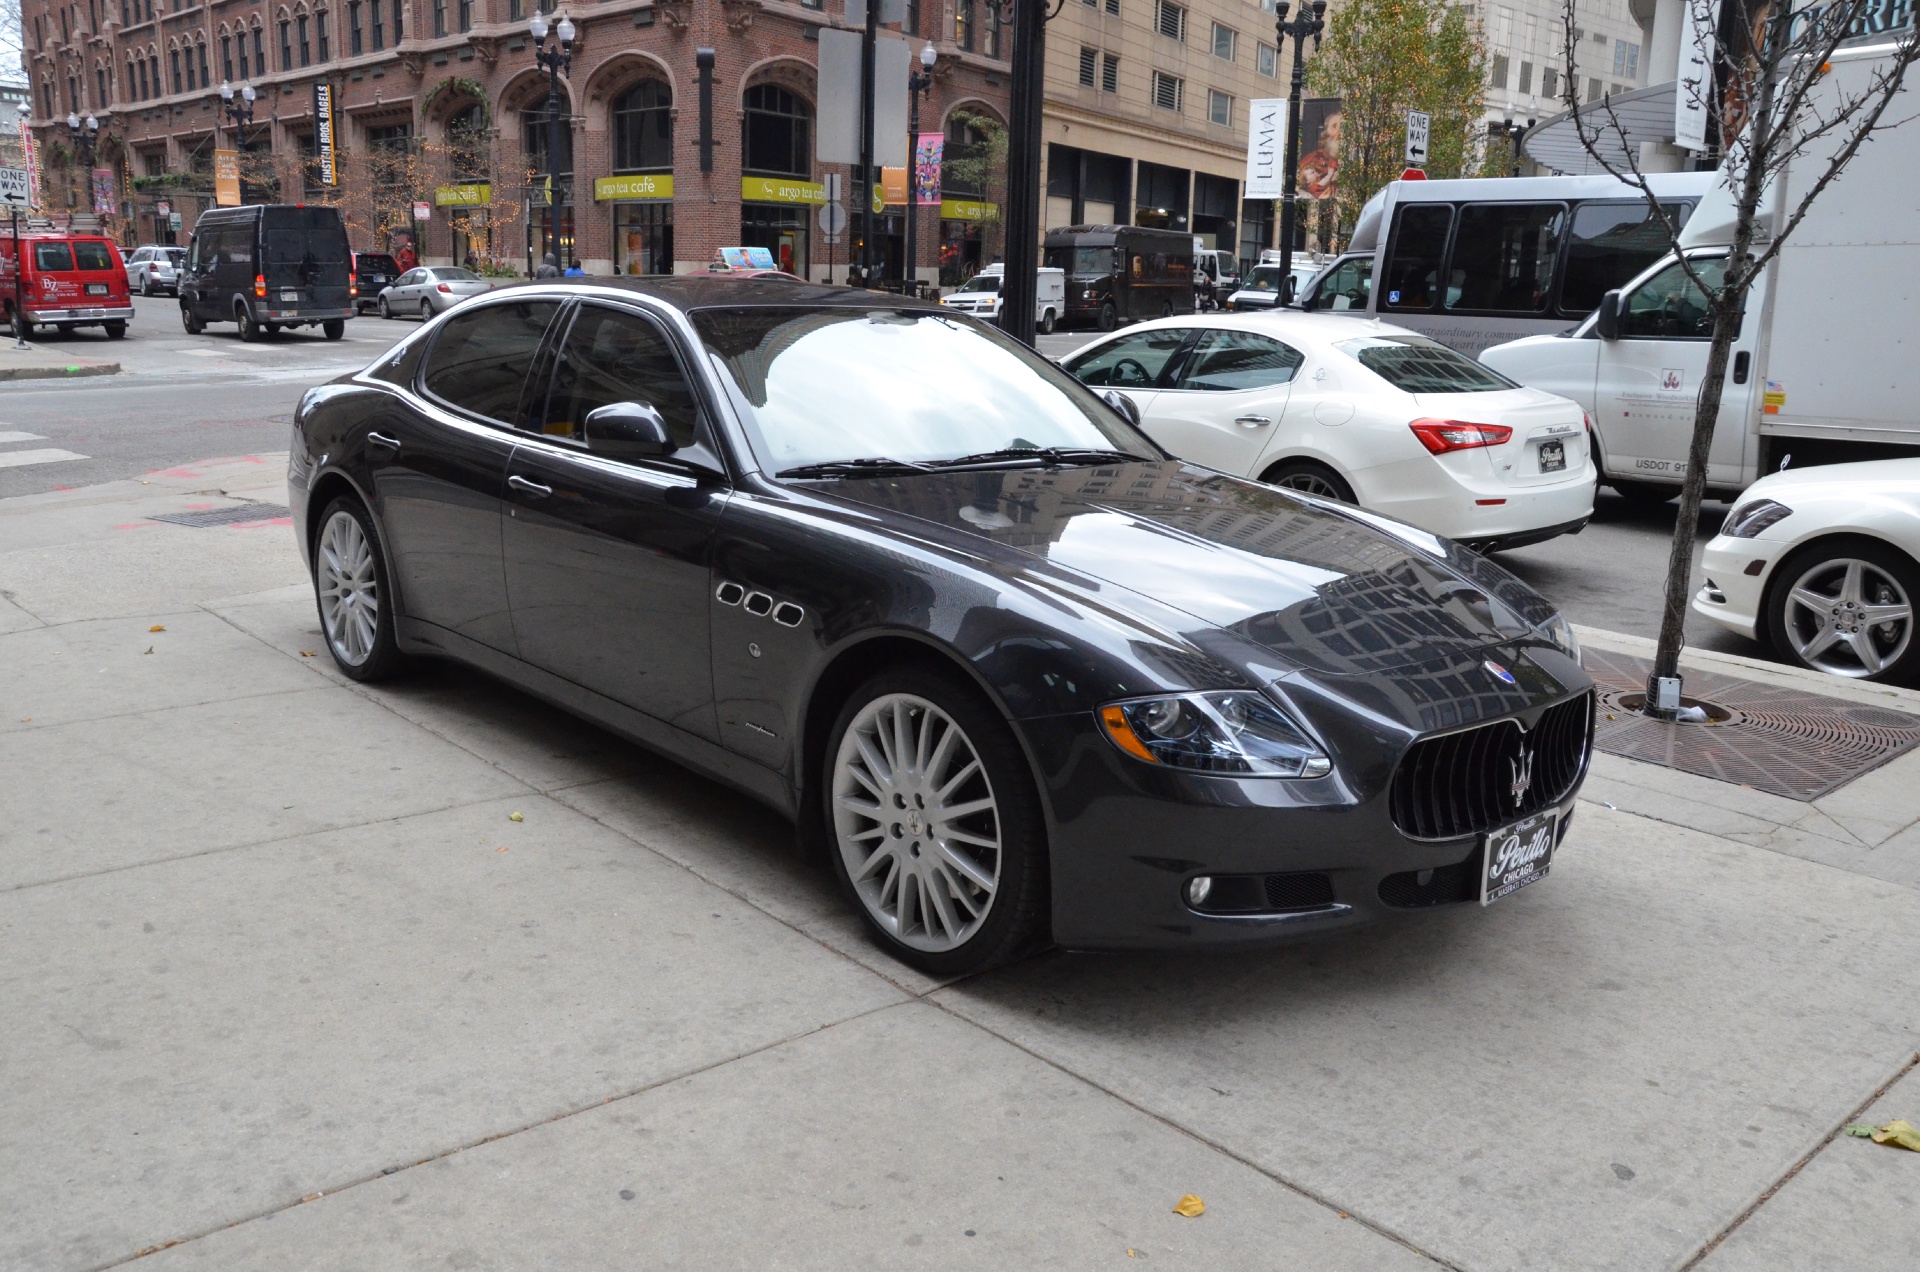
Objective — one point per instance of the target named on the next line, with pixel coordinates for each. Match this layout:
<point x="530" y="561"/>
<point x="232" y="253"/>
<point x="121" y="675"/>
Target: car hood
<point x="1323" y="587"/>
<point x="1874" y="479"/>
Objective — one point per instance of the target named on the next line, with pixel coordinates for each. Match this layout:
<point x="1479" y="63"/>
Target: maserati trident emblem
<point x="1522" y="776"/>
<point x="1499" y="671"/>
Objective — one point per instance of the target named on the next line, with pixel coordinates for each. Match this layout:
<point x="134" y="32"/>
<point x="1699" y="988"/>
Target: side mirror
<point x="1123" y="406"/>
<point x="1608" y="322"/>
<point x="1287" y="291"/>
<point x="627" y="430"/>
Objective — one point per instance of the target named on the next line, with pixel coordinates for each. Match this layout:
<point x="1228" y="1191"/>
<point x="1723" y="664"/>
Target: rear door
<point x="306" y="259"/>
<point x="101" y="273"/>
<point x="1225" y="405"/>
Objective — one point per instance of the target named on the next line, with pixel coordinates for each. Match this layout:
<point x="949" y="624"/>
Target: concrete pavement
<point x="288" y="987"/>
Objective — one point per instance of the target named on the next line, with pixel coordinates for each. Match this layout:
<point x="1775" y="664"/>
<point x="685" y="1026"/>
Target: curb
<point x="71" y="372"/>
<point x="1865" y="692"/>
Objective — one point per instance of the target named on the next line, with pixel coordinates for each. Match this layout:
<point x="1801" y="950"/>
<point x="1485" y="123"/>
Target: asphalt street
<point x="182" y="399"/>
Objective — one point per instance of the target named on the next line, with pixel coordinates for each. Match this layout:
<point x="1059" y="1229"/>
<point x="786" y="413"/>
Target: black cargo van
<point x="268" y="266"/>
<point x="1120" y="272"/>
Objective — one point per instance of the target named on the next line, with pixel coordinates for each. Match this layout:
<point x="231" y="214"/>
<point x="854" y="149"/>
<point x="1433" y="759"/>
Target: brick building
<point x="441" y="102"/>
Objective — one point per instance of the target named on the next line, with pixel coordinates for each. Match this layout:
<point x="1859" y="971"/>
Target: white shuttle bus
<point x="1473" y="263"/>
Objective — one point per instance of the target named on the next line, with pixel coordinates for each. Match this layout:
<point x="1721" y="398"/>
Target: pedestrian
<point x="574" y="270"/>
<point x="473" y="261"/>
<point x="549" y="267"/>
<point x="405" y="257"/>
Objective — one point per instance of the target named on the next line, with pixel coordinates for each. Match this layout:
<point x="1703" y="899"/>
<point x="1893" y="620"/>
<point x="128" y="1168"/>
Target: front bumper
<point x="1734" y="598"/>
<point x="86" y="313"/>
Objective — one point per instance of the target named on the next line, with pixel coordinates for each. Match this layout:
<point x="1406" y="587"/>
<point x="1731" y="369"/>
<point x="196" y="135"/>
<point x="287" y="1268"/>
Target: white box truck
<point x="1825" y="368"/>
<point x="980" y="296"/>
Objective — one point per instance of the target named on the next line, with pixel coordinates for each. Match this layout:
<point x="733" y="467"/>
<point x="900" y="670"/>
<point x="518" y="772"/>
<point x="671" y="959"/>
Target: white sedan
<point x="1821" y="564"/>
<point x="1356" y="410"/>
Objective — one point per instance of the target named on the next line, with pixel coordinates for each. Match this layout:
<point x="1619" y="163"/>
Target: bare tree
<point x="13" y="42"/>
<point x="1772" y="105"/>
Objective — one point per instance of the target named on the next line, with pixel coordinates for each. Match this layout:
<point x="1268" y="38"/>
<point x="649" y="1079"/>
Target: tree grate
<point x="1783" y="741"/>
<point x="238" y="515"/>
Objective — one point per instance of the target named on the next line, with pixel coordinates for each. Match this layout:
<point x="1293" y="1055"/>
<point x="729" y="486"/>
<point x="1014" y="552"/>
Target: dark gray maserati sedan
<point x="1017" y="673"/>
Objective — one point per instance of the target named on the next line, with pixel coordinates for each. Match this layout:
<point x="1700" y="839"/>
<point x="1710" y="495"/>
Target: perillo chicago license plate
<point x="1518" y="855"/>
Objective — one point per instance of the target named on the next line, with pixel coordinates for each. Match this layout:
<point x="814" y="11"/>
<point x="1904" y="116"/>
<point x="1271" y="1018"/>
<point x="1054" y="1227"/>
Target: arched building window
<point x="779" y="132"/>
<point x="643" y="128"/>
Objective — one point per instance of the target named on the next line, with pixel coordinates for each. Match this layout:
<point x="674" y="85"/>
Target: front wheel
<point x="334" y="328"/>
<point x="190" y="320"/>
<point x="1109" y="317"/>
<point x="386" y="311"/>
<point x="22" y="329"/>
<point x="1310" y="478"/>
<point x="1643" y="494"/>
<point x="116" y="330"/>
<point x="350" y="583"/>
<point x="1846" y="607"/>
<point x="936" y="823"/>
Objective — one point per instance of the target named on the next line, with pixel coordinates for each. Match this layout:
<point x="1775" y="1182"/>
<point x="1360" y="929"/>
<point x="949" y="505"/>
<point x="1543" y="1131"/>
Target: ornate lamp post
<point x="553" y="61"/>
<point x="1514" y="133"/>
<point x="918" y="82"/>
<point x="19" y="322"/>
<point x="1310" y="21"/>
<point x="239" y="111"/>
<point x="83" y="132"/>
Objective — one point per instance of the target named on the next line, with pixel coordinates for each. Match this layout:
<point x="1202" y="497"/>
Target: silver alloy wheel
<point x="1311" y="483"/>
<point x="349" y="588"/>
<point x="1848" y="617"/>
<point x="916" y="821"/>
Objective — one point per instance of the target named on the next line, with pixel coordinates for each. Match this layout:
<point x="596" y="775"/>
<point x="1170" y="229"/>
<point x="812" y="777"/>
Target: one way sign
<point x="1419" y="123"/>
<point x="15" y="191"/>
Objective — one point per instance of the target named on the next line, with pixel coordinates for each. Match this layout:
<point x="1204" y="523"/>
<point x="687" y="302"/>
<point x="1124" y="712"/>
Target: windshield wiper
<point x="869" y="467"/>
<point x="1046" y="456"/>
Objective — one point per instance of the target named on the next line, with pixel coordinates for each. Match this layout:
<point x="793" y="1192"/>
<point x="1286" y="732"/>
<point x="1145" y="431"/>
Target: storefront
<point x="465" y="207"/>
<point x="641" y="206"/>
<point x="776" y="213"/>
<point x="537" y="219"/>
<point x="963" y="238"/>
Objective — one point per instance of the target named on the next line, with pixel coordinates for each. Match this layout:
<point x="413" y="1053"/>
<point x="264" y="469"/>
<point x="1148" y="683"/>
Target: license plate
<point x="1553" y="456"/>
<point x="289" y="295"/>
<point x="96" y="289"/>
<point x="379" y="278"/>
<point x="1518" y="855"/>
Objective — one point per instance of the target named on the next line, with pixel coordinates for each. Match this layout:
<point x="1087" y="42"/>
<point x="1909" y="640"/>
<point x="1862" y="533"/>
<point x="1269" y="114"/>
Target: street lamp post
<point x="1310" y="21"/>
<point x="83" y="133"/>
<point x="918" y="82"/>
<point x="19" y="319"/>
<point x="239" y="111"/>
<point x="553" y="61"/>
<point x="1514" y="133"/>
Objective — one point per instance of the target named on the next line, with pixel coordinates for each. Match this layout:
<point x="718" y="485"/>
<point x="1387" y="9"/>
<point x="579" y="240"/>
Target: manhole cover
<point x="1782" y="741"/>
<point x="225" y="516"/>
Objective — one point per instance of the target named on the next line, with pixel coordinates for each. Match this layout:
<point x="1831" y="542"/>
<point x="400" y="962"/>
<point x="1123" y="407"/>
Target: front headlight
<point x="1560" y="632"/>
<point x="1229" y="731"/>
<point x="1749" y="519"/>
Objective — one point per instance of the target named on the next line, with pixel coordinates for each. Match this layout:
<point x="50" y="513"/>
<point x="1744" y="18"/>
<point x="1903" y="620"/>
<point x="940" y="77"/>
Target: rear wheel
<point x="350" y="584"/>
<point x="1643" y="494"/>
<point x="1046" y="323"/>
<point x="249" y="329"/>
<point x="1846" y="607"/>
<point x="1310" y="478"/>
<point x="146" y="285"/>
<point x="426" y="310"/>
<point x="116" y="330"/>
<point x="334" y="328"/>
<point x="936" y="823"/>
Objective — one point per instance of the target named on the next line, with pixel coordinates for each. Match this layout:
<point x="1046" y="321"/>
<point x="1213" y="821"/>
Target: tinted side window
<point x="1671" y="306"/>
<point x="52" y="256"/>
<point x="1504" y="257"/>
<point x="480" y="360"/>
<point x="1418" y="249"/>
<point x="93" y="255"/>
<point x="1610" y="243"/>
<point x="1131" y="362"/>
<point x="1229" y="361"/>
<point x="613" y="356"/>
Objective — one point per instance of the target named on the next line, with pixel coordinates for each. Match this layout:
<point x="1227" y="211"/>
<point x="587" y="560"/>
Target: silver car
<point x="430" y="290"/>
<point x="155" y="269"/>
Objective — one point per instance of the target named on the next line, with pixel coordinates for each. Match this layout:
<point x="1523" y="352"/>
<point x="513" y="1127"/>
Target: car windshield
<point x="1418" y="365"/>
<point x="1266" y="278"/>
<point x="982" y="283"/>
<point x="456" y="275"/>
<point x="1084" y="261"/>
<point x="831" y="385"/>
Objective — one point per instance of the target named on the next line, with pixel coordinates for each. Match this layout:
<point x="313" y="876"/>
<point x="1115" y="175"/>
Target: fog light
<point x="1198" y="890"/>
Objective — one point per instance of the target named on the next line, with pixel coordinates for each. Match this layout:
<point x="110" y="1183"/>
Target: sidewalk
<point x="42" y="362"/>
<point x="287" y="987"/>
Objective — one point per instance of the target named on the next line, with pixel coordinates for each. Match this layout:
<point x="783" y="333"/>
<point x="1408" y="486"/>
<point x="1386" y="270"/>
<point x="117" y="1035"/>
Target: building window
<point x="173" y="57"/>
<point x="515" y="10"/>
<point x="1170" y="20"/>
<point x="1267" y="60"/>
<point x="1593" y="91"/>
<point x="353" y="29"/>
<point x="1167" y="91"/>
<point x="100" y="82"/>
<point x="243" y="57"/>
<point x="126" y="18"/>
<point x="226" y="58"/>
<point x="533" y="137"/>
<point x="993" y="31"/>
<point x="1113" y="7"/>
<point x="260" y="49"/>
<point x="286" y="45"/>
<point x="1498" y="76"/>
<point x="205" y="79"/>
<point x="320" y="34"/>
<point x="376" y="25"/>
<point x="392" y="137"/>
<point x="1526" y="77"/>
<point x="1549" y="82"/>
<point x="643" y="128"/>
<point x="399" y="16"/>
<point x="157" y="89"/>
<point x="1219" y="107"/>
<point x="306" y="40"/>
<point x="439" y="17"/>
<point x="1089" y="62"/>
<point x="46" y="99"/>
<point x="963" y="24"/>
<point x="1626" y="59"/>
<point x="779" y="132"/>
<point x="1109" y="73"/>
<point x="466" y="15"/>
<point x="1224" y="39"/>
<point x="141" y="97"/>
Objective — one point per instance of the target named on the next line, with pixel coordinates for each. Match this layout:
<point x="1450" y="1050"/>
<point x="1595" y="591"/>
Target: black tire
<point x="426" y="311"/>
<point x="146" y="285"/>
<point x="334" y="328"/>
<point x="250" y="331"/>
<point x="385" y="310"/>
<point x="1643" y="494"/>
<point x="1014" y="920"/>
<point x="1109" y="317"/>
<point x="22" y="329"/>
<point x="1310" y="477"/>
<point x="1046" y="323"/>
<point x="1166" y="309"/>
<point x="382" y="657"/>
<point x="271" y="330"/>
<point x="1821" y="565"/>
<point x="190" y="320"/>
<point x="116" y="330"/>
<point x="66" y="328"/>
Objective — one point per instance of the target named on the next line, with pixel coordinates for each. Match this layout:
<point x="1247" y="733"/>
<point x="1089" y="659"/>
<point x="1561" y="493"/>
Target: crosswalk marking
<point x="19" y="459"/>
<point x="20" y="437"/>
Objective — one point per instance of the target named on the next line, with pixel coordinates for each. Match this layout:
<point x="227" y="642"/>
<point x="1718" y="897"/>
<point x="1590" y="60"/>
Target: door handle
<point x="383" y="441"/>
<point x="1741" y="361"/>
<point x="526" y="487"/>
<point x="1252" y="421"/>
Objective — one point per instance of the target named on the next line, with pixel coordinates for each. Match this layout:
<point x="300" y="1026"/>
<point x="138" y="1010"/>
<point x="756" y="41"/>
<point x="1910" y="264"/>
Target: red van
<point x="65" y="281"/>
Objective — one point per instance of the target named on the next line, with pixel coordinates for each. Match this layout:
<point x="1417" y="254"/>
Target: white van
<point x="980" y="296"/>
<point x="1823" y="369"/>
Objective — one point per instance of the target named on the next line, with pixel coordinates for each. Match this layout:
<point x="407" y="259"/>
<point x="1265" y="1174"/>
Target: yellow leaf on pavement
<point x="157" y="627"/>
<point x="1900" y="1133"/>
<point x="515" y="817"/>
<point x="1190" y="1206"/>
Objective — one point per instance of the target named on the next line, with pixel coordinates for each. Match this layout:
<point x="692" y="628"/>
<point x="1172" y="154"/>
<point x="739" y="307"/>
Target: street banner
<point x="836" y="116"/>
<point x="323" y="154"/>
<point x="226" y="178"/>
<point x="103" y="192"/>
<point x="893" y="187"/>
<point x="30" y="156"/>
<point x="892" y="65"/>
<point x="1320" y="146"/>
<point x="1693" y="95"/>
<point x="929" y="152"/>
<point x="1267" y="148"/>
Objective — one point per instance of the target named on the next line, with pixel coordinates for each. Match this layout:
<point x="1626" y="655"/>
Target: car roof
<point x="688" y="292"/>
<point x="1285" y="324"/>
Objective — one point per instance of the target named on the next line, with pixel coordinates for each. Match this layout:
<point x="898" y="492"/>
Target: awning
<point x="1645" y="114"/>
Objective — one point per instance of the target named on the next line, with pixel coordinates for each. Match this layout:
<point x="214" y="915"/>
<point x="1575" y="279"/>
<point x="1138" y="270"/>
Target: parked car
<point x="1356" y="411"/>
<point x="155" y="269"/>
<point x="1823" y="564"/>
<point x="1262" y="290"/>
<point x="980" y="296"/>
<point x="372" y="271"/>
<point x="1015" y="670"/>
<point x="64" y="281"/>
<point x="266" y="267"/>
<point x="430" y="290"/>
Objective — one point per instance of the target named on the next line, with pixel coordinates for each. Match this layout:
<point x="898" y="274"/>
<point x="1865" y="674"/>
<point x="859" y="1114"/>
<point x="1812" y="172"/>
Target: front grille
<point x="1462" y="783"/>
<point x="1306" y="890"/>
